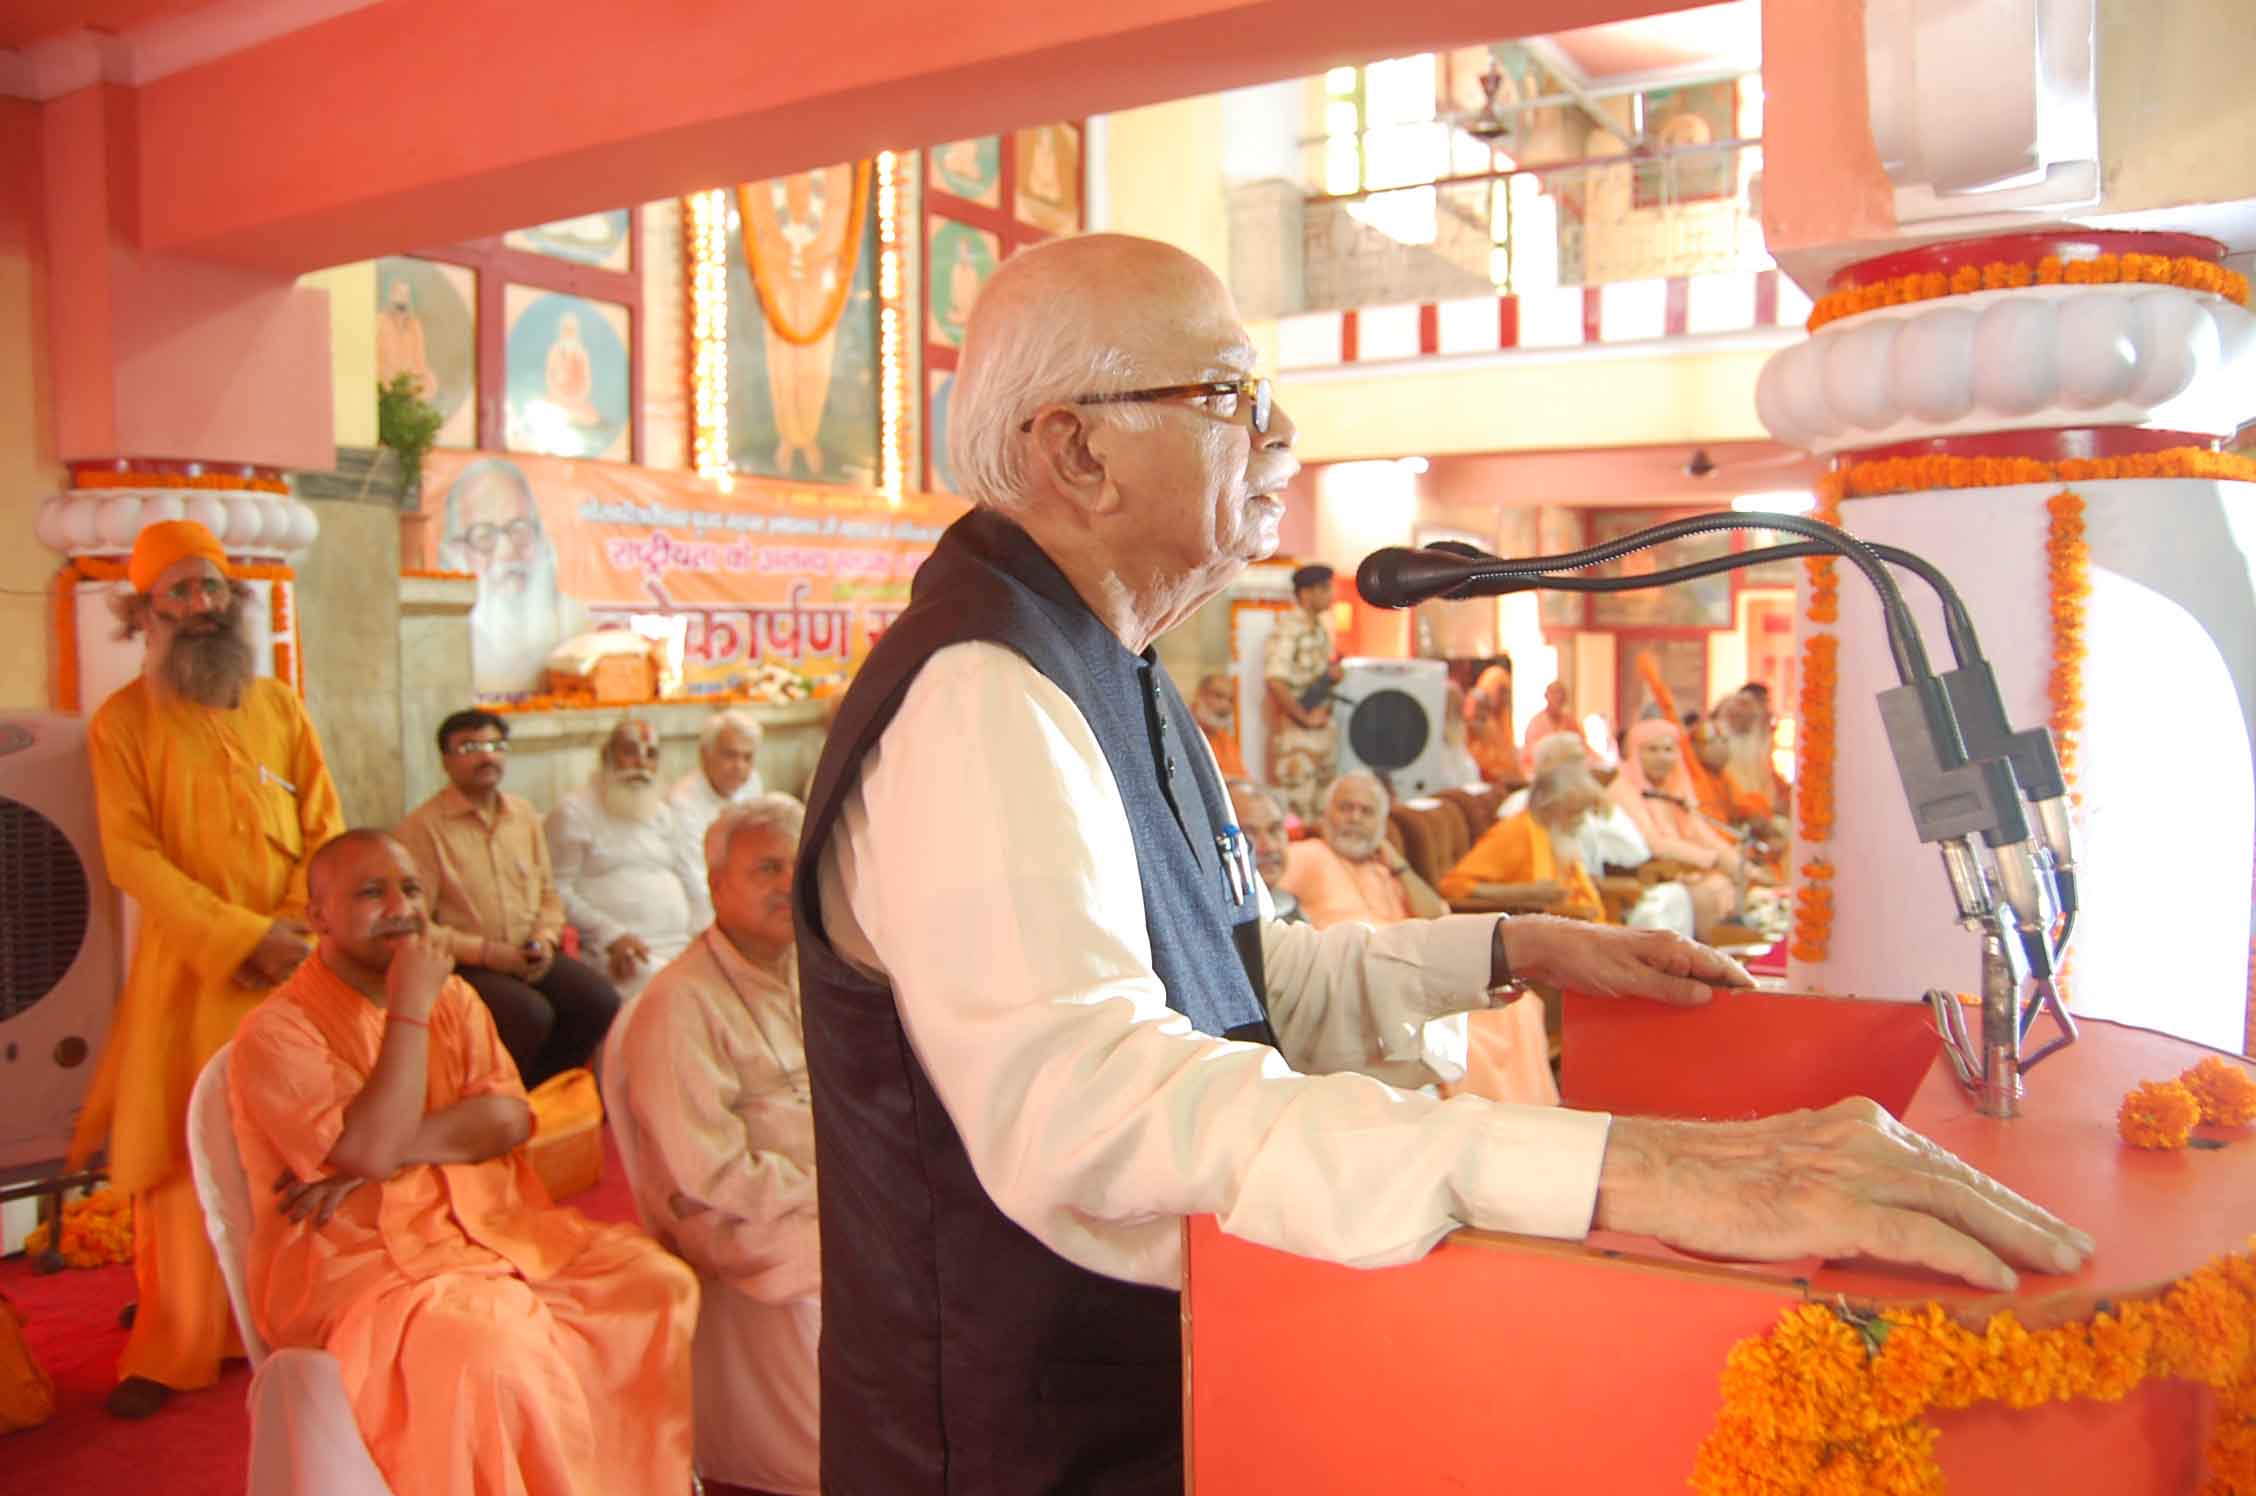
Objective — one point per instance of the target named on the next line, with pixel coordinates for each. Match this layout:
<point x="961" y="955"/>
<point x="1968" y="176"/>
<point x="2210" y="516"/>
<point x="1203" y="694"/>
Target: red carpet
<point x="200" y="1444"/>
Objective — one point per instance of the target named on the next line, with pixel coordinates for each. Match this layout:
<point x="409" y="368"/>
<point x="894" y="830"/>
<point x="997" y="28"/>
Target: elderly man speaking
<point x="1046" y="1019"/>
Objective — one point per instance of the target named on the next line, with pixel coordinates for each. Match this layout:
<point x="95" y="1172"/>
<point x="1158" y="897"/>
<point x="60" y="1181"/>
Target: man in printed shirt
<point x="707" y="1080"/>
<point x="484" y="860"/>
<point x="212" y="790"/>
<point x="632" y="886"/>
<point x="1046" y="1019"/>
<point x="488" y="1340"/>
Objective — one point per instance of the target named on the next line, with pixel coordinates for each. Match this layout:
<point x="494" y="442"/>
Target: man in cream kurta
<point x="707" y="1077"/>
<point x="212" y="790"/>
<point x="727" y="773"/>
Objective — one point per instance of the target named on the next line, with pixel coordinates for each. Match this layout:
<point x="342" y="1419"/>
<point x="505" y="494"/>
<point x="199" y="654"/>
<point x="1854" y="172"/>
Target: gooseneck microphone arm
<point x="1958" y="780"/>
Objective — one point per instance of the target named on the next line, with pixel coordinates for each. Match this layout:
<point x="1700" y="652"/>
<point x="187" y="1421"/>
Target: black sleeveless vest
<point x="959" y="1354"/>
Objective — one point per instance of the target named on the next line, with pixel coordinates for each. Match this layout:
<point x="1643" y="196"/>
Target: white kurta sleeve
<point x="1358" y="997"/>
<point x="985" y="860"/>
<point x="743" y="1211"/>
<point x="689" y="867"/>
<point x="570" y="840"/>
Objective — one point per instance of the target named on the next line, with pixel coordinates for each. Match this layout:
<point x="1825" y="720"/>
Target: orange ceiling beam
<point x="417" y="122"/>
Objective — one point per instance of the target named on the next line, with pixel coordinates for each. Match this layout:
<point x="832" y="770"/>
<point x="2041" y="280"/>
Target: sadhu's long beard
<point x="211" y="669"/>
<point x="631" y="798"/>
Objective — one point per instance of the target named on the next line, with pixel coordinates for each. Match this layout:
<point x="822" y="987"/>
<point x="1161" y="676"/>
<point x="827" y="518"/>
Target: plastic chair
<point x="304" y="1441"/>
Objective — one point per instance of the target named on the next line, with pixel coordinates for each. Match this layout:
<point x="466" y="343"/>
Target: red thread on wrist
<point x="421" y="1023"/>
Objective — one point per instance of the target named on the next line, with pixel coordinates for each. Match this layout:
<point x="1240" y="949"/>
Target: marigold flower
<point x="2225" y="1092"/>
<point x="2158" y="1114"/>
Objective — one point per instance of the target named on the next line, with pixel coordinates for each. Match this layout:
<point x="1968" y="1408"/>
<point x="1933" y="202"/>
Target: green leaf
<point x="2210" y="1144"/>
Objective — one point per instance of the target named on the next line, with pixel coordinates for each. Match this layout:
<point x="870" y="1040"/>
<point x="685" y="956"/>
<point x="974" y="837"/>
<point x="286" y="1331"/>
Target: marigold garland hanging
<point x="2182" y="271"/>
<point x="848" y="257"/>
<point x="1892" y="475"/>
<point x="1812" y="936"/>
<point x="1831" y="1402"/>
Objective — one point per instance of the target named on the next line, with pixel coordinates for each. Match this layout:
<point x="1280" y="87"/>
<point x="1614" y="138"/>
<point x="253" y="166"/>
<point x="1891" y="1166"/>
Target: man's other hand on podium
<point x="1848" y="1181"/>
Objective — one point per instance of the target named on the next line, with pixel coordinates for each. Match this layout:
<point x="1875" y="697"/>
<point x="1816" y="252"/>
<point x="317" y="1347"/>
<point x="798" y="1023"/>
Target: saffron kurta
<point x="208" y="818"/>
<point x="1517" y="849"/>
<point x="1333" y="890"/>
<point x="489" y="1341"/>
<point x="710" y="1068"/>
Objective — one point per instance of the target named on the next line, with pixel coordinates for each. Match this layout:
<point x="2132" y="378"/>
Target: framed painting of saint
<point x="1701" y="604"/>
<point x="959" y="260"/>
<point x="969" y="169"/>
<point x="598" y="239"/>
<point x="568" y="391"/>
<point x="802" y="316"/>
<point x="1678" y="120"/>
<point x="427" y="329"/>
<point x="1048" y="171"/>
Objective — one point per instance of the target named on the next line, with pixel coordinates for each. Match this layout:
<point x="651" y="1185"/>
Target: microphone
<point x="1400" y="577"/>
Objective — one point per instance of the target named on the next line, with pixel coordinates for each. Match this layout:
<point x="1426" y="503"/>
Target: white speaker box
<point x="61" y="935"/>
<point x="1390" y="716"/>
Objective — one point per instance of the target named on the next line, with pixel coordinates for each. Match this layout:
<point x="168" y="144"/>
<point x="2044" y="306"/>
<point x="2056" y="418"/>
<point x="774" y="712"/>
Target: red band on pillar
<point x="2048" y="444"/>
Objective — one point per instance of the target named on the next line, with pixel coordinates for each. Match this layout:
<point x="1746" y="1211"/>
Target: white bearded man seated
<point x="719" y="1140"/>
<point x="631" y="885"/>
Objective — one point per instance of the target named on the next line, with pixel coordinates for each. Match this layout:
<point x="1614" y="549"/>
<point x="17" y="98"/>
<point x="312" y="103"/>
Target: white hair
<point x="733" y="719"/>
<point x="1558" y="748"/>
<point x="1362" y="776"/>
<point x="1051" y="352"/>
<point x="778" y="813"/>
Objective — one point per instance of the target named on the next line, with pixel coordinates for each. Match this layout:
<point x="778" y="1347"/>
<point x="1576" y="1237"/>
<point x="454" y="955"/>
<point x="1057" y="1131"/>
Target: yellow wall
<point x="29" y="472"/>
<point x="352" y="348"/>
<point x="1163" y="177"/>
<point x="2176" y="113"/>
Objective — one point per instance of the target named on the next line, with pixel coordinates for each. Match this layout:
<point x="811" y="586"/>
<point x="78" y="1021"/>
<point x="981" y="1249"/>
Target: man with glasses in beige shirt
<point x="484" y="859"/>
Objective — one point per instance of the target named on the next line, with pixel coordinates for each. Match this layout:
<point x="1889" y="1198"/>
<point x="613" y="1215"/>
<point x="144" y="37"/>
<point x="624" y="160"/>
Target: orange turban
<point x="159" y="547"/>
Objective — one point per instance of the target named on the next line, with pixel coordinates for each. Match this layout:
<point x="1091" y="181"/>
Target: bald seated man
<point x="488" y="1340"/>
<point x="1045" y="1020"/>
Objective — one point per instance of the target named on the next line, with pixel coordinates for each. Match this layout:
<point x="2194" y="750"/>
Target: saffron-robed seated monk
<point x="489" y="1340"/>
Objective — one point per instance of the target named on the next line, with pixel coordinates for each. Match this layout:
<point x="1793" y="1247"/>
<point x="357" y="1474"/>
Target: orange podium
<point x="1514" y="1364"/>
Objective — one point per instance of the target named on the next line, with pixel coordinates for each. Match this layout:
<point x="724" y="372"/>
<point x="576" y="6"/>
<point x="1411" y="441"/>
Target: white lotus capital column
<point x="94" y="524"/>
<point x="2078" y="346"/>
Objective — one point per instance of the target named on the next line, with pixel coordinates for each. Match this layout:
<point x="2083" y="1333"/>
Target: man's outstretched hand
<point x="1848" y="1181"/>
<point x="1608" y="961"/>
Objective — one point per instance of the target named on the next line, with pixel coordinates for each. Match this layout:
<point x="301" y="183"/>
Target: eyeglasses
<point x="478" y="745"/>
<point x="483" y="538"/>
<point x="1229" y="397"/>
<point x="212" y="590"/>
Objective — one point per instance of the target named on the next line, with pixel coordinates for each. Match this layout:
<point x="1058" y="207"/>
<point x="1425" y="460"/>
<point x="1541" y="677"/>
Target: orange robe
<point x="208" y="818"/>
<point x="1333" y="891"/>
<point x="1224" y="742"/>
<point x="489" y="1340"/>
<point x="1518" y="850"/>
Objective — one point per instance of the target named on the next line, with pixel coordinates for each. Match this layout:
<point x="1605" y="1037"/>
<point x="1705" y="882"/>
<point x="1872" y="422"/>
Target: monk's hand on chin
<point x="420" y="967"/>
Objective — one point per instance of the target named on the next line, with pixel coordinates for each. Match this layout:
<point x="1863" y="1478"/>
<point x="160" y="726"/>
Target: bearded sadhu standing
<point x="212" y="793"/>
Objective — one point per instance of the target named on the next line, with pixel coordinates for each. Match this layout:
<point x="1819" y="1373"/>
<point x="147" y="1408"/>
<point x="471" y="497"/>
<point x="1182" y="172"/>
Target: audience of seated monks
<point x="1351" y="872"/>
<point x="631" y="885"/>
<point x="1655" y="790"/>
<point x="707" y="1076"/>
<point x="488" y="1340"/>
<point x="1612" y="849"/>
